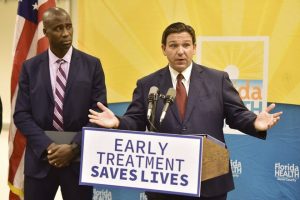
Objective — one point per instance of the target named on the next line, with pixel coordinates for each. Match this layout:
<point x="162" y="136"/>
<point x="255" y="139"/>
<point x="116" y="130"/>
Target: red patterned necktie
<point x="181" y="96"/>
<point x="61" y="80"/>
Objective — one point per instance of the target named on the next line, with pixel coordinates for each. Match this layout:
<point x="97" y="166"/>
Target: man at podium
<point x="204" y="98"/>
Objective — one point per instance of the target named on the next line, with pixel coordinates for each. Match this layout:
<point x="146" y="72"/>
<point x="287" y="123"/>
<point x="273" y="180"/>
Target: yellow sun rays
<point x="126" y="36"/>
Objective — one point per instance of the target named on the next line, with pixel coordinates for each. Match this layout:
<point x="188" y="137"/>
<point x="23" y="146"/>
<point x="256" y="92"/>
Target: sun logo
<point x="245" y="59"/>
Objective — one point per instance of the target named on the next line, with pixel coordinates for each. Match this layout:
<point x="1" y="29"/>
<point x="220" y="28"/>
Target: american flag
<point x="29" y="41"/>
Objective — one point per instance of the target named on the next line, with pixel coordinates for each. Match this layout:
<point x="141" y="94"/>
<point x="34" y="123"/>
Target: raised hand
<point x="106" y="118"/>
<point x="265" y="120"/>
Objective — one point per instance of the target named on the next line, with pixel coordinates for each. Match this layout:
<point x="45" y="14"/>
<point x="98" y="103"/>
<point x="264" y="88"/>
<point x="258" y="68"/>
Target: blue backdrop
<point x="262" y="169"/>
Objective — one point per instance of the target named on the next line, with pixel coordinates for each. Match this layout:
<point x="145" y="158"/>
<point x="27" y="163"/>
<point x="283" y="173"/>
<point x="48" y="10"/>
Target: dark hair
<point x="178" y="27"/>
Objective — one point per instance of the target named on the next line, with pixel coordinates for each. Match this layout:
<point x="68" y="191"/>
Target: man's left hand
<point x="265" y="120"/>
<point x="61" y="155"/>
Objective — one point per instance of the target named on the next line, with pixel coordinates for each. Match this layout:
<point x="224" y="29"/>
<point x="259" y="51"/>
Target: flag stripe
<point x="41" y="44"/>
<point x="18" y="30"/>
<point x="44" y="5"/>
<point x="19" y="146"/>
<point x="21" y="52"/>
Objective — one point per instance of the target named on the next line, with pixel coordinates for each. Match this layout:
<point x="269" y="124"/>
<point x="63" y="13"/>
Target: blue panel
<point x="118" y="108"/>
<point x="268" y="169"/>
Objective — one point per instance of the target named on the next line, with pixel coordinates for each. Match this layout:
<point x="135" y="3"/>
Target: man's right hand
<point x="60" y="155"/>
<point x="106" y="118"/>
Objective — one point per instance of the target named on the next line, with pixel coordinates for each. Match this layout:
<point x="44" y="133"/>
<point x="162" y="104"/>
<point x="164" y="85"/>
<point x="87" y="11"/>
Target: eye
<point x="186" y="45"/>
<point x="69" y="26"/>
<point x="173" y="45"/>
<point x="58" y="28"/>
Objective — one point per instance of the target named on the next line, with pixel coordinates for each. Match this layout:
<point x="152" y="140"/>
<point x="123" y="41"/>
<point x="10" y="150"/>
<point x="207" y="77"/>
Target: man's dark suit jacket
<point x="211" y="99"/>
<point x="35" y="104"/>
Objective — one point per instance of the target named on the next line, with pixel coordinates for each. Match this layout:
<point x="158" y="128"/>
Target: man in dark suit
<point x="208" y="98"/>
<point x="43" y="90"/>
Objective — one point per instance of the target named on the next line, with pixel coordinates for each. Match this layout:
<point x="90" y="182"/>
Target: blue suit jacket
<point x="211" y="99"/>
<point x="35" y="104"/>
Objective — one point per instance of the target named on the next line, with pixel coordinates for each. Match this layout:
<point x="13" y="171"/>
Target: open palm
<point x="265" y="120"/>
<point x="106" y="118"/>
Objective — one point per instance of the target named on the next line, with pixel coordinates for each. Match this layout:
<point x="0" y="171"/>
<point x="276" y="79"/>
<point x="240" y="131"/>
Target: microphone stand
<point x="152" y="117"/>
<point x="168" y="100"/>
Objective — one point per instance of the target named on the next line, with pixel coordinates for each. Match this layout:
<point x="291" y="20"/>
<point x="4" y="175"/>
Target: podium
<point x="158" y="162"/>
<point x="215" y="161"/>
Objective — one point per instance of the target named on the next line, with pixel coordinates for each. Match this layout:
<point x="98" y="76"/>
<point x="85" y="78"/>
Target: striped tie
<point x="60" y="86"/>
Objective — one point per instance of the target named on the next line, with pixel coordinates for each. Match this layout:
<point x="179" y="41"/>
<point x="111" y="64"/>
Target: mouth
<point x="68" y="42"/>
<point x="180" y="60"/>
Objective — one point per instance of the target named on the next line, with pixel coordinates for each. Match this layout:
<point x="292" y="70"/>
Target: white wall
<point x="8" y="10"/>
<point x="7" y="24"/>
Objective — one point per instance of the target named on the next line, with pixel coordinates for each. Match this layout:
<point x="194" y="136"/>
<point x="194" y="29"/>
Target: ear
<point x="194" y="49"/>
<point x="163" y="48"/>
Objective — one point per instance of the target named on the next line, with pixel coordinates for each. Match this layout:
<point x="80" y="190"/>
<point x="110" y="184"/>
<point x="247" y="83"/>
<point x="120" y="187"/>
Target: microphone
<point x="152" y="98"/>
<point x="169" y="99"/>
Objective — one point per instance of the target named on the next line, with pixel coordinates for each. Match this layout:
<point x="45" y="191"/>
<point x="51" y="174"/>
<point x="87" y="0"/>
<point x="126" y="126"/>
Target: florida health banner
<point x="152" y="161"/>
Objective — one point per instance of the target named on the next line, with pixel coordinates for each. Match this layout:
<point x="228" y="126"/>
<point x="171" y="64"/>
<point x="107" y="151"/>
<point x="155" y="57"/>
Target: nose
<point x="66" y="31"/>
<point x="180" y="50"/>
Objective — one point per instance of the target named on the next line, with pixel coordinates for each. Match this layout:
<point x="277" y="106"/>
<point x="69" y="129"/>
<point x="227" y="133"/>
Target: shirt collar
<point x="186" y="73"/>
<point x="53" y="58"/>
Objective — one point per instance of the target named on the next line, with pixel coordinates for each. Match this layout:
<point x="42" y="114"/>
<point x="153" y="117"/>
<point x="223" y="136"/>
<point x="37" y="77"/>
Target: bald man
<point x="56" y="90"/>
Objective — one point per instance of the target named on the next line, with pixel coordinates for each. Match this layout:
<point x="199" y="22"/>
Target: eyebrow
<point x="190" y="41"/>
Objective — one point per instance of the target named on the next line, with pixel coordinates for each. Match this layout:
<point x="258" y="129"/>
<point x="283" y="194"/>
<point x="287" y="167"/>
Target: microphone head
<point x="153" y="92"/>
<point x="171" y="94"/>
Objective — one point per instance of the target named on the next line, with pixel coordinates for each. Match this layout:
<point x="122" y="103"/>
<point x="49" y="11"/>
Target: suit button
<point x="184" y="128"/>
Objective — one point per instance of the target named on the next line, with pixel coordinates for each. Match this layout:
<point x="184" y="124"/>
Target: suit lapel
<point x="164" y="84"/>
<point x="74" y="67"/>
<point x="196" y="83"/>
<point x="44" y="65"/>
